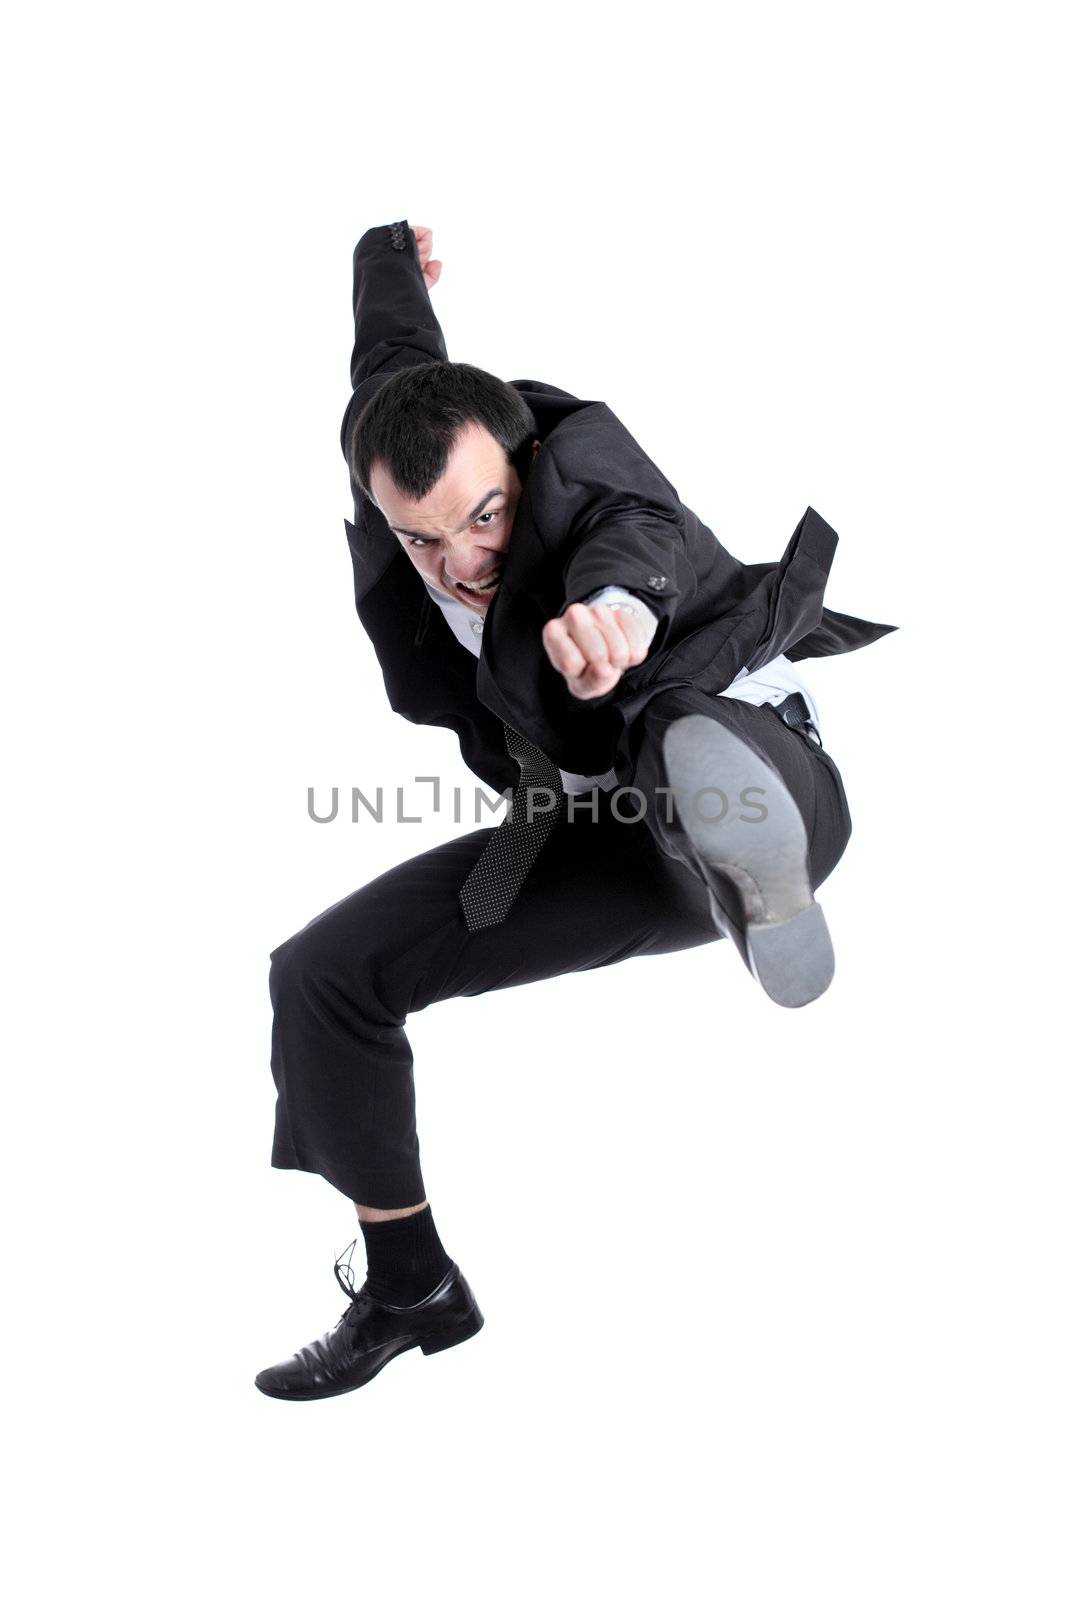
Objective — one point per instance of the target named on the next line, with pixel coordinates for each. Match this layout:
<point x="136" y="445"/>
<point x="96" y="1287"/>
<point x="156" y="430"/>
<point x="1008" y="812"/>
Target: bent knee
<point x="301" y="964"/>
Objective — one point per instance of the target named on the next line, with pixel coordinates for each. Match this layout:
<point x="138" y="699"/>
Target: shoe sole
<point x="430" y="1345"/>
<point x="755" y="870"/>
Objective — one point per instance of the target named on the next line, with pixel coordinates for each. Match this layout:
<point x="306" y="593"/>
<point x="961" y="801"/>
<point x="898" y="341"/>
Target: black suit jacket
<point x="594" y="510"/>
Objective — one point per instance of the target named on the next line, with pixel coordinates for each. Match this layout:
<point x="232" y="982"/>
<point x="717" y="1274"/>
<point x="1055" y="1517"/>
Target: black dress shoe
<point x="755" y="867"/>
<point x="369" y="1334"/>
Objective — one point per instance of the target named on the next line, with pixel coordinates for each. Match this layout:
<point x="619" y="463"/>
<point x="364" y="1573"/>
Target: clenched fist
<point x="593" y="646"/>
<point x="431" y="270"/>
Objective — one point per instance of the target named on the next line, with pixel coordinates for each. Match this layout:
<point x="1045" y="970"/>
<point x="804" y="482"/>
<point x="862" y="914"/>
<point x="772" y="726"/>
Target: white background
<point x="774" y="1300"/>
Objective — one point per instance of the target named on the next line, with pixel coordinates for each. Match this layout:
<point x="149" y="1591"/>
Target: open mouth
<point x="480" y="591"/>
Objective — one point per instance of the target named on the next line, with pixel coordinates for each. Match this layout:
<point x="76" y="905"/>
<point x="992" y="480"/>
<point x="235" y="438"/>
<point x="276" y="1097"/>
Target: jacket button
<point x="656" y="580"/>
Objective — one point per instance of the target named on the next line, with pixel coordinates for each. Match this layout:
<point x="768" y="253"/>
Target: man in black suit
<point x="530" y="579"/>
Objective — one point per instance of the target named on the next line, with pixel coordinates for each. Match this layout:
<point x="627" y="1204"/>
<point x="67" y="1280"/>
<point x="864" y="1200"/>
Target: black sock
<point x="405" y="1258"/>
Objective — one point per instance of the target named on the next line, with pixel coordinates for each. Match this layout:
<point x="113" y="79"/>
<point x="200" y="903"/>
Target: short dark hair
<point x="410" y="425"/>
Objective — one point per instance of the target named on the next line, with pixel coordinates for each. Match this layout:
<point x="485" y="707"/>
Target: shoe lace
<point x="342" y="1271"/>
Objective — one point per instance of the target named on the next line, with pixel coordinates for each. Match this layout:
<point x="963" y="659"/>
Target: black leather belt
<point x="793" y="711"/>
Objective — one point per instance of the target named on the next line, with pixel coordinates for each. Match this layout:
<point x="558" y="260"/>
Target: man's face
<point x="459" y="534"/>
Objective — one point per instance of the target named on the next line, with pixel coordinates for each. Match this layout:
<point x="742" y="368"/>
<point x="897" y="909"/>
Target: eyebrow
<point x="479" y="508"/>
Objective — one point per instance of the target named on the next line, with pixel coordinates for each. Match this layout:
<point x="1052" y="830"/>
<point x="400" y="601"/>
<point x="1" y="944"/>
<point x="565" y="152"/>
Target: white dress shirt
<point x="770" y="685"/>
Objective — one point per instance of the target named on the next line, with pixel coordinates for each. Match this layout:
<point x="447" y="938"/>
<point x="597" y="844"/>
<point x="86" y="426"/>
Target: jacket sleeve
<point x="395" y="325"/>
<point x="621" y="521"/>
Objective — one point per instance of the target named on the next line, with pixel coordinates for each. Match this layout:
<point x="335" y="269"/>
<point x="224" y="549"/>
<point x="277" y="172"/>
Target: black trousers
<point x="601" y="891"/>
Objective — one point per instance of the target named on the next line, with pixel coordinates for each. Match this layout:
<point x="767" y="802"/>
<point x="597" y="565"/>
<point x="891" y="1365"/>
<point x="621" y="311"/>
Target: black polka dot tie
<point x="511" y="850"/>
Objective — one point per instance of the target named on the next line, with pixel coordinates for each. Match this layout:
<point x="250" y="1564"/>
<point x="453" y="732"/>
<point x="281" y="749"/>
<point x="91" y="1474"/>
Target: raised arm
<point x="395" y="325"/>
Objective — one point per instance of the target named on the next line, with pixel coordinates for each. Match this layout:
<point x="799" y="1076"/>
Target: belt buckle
<point x="801" y="721"/>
